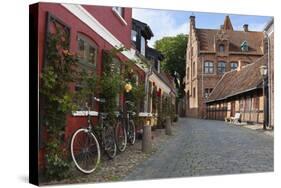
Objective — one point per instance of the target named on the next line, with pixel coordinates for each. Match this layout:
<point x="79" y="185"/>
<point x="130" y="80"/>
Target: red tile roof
<point x="207" y="39"/>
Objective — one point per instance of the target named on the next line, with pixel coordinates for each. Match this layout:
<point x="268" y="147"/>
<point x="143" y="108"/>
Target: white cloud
<point x="162" y="23"/>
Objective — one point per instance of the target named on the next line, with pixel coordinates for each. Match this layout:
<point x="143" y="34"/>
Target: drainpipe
<point x="146" y="87"/>
<point x="269" y="75"/>
<point x="202" y="77"/>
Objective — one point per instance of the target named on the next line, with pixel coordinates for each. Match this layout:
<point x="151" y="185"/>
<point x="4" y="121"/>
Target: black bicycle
<point x="85" y="142"/>
<point x="125" y="130"/>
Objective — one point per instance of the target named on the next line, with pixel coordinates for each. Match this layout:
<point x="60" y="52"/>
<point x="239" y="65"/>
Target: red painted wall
<point x="112" y="22"/>
<point x="105" y="16"/>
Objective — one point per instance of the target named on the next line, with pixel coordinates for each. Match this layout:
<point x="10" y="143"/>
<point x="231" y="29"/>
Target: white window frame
<point x="134" y="35"/>
<point x="208" y="65"/>
<point x="142" y="49"/>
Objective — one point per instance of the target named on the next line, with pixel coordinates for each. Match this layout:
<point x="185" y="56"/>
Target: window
<point x="87" y="50"/>
<point x="233" y="65"/>
<point x="208" y="67"/>
<point x="119" y="10"/>
<point x="134" y="36"/>
<point x="207" y="92"/>
<point x="193" y="69"/>
<point x="221" y="48"/>
<point x="157" y="65"/>
<point x="221" y="67"/>
<point x="142" y="46"/>
<point x="194" y="92"/>
<point x="244" y="46"/>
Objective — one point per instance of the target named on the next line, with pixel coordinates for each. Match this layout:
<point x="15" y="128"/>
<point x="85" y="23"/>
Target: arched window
<point x="221" y="48"/>
<point x="87" y="50"/>
<point x="233" y="65"/>
<point x="221" y="67"/>
<point x="208" y="67"/>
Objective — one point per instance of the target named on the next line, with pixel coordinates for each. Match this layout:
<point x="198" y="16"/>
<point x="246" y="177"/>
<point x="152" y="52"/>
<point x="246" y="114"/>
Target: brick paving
<point x="208" y="147"/>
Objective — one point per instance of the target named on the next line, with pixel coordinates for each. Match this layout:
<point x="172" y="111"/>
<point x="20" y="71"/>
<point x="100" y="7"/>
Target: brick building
<point x="211" y="53"/>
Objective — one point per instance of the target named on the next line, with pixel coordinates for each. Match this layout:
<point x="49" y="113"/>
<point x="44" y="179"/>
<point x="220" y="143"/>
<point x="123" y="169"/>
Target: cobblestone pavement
<point x="207" y="147"/>
<point x="122" y="164"/>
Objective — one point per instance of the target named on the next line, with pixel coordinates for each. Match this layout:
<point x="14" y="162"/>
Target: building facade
<point x="158" y="84"/>
<point x="91" y="32"/>
<point x="212" y="52"/>
<point x="237" y="92"/>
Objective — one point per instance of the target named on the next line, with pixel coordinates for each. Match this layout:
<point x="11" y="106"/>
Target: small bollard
<point x="168" y="127"/>
<point x="146" y="139"/>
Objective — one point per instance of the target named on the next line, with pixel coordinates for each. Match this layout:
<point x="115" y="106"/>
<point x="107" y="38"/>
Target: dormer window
<point x="134" y="36"/>
<point x="142" y="49"/>
<point x="244" y="46"/>
<point x="221" y="48"/>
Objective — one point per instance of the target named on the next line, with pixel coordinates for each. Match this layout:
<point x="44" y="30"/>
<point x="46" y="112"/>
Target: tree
<point x="174" y="51"/>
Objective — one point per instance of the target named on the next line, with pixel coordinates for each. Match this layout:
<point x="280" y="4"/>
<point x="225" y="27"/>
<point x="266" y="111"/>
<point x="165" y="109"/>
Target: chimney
<point x="245" y="26"/>
<point x="192" y="21"/>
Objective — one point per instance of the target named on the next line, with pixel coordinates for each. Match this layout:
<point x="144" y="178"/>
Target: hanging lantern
<point x="128" y="87"/>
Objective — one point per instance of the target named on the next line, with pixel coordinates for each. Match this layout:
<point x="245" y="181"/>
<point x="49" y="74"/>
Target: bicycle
<point x="125" y="128"/>
<point x="86" y="143"/>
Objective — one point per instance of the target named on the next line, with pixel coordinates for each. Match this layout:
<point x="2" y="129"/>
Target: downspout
<point x="268" y="78"/>
<point x="202" y="78"/>
<point x="147" y="74"/>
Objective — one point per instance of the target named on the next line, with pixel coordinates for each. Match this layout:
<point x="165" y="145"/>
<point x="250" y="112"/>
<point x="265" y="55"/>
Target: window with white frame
<point x="134" y="36"/>
<point x="143" y="46"/>
<point x="208" y="67"/>
<point x="221" y="67"/>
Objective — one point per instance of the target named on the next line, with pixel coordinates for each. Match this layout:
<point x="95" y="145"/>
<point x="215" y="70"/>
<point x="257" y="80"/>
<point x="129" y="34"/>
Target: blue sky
<point x="170" y="23"/>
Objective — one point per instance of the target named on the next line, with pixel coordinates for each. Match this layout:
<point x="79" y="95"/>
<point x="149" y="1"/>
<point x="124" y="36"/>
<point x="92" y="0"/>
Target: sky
<point x="170" y="23"/>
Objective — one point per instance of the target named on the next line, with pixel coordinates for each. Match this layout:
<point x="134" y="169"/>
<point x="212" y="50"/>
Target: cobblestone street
<point x="207" y="147"/>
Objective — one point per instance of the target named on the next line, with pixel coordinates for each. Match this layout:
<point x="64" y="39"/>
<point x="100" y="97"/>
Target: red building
<point x="91" y="30"/>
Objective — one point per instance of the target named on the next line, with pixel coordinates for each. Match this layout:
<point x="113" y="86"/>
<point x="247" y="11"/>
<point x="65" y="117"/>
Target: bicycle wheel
<point x="120" y="136"/>
<point x="85" y="150"/>
<point x="131" y="132"/>
<point x="109" y="142"/>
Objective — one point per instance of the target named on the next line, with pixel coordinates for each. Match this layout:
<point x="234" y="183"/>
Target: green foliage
<point x="58" y="72"/>
<point x="110" y="82"/>
<point x="174" y="51"/>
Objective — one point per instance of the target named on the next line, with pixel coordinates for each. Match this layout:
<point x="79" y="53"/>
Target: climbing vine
<point x="59" y="71"/>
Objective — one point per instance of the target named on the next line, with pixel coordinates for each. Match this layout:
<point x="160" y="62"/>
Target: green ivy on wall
<point x="59" y="71"/>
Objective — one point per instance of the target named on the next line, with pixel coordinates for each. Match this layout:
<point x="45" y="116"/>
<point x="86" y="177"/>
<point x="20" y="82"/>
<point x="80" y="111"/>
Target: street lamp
<point x="263" y="72"/>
